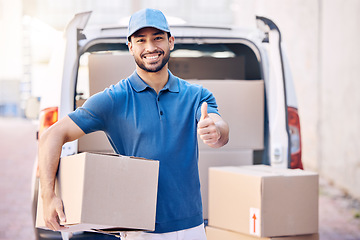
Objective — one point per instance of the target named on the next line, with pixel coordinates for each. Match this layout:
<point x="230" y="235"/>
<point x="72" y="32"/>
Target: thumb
<point x="61" y="214"/>
<point x="204" y="113"/>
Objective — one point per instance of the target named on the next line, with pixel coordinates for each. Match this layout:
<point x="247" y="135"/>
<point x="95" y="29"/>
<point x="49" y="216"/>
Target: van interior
<point x="231" y="72"/>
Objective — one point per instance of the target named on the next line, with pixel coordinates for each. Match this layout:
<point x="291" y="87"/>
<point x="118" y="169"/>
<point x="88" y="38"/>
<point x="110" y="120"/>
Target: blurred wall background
<point x="320" y="37"/>
<point x="10" y="57"/>
<point x="321" y="40"/>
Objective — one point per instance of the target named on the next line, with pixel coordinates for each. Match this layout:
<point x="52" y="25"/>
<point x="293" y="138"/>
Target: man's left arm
<point x="212" y="129"/>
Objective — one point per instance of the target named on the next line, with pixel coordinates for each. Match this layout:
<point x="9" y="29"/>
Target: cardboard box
<point x="220" y="234"/>
<point x="263" y="201"/>
<point x="106" y="69"/>
<point x="241" y="105"/>
<point x="105" y="192"/>
<point x="208" y="67"/>
<point x="95" y="142"/>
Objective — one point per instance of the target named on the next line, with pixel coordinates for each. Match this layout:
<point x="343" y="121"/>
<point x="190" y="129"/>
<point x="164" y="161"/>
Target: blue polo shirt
<point x="139" y="122"/>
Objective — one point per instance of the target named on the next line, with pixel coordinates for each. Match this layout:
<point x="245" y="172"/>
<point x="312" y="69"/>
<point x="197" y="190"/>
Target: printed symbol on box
<point x="254" y="221"/>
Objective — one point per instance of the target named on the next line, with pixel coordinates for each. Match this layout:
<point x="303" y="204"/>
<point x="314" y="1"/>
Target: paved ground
<point x="17" y="153"/>
<point x="339" y="215"/>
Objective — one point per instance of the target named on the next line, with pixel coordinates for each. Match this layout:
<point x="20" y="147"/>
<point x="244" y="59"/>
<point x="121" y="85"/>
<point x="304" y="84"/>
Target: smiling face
<point x="151" y="48"/>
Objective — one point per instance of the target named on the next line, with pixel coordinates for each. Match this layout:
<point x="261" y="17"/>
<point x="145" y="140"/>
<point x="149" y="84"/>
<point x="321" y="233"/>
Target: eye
<point x="140" y="40"/>
<point x="159" y="38"/>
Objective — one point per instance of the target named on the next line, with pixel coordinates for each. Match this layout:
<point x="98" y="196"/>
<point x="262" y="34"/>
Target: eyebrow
<point x="155" y="34"/>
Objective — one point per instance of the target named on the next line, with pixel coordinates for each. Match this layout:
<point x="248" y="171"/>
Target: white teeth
<point x="154" y="57"/>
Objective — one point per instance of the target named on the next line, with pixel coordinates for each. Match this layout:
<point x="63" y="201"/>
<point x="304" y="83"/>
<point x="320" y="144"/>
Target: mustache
<point x="156" y="51"/>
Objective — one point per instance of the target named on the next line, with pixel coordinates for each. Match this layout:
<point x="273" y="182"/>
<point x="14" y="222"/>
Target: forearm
<point x="50" y="145"/>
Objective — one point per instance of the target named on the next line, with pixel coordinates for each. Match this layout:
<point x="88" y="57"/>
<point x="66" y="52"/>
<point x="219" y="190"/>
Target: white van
<point x="246" y="69"/>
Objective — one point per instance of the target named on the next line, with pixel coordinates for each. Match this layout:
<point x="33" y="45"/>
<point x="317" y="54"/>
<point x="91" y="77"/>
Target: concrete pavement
<point x="338" y="214"/>
<point x="17" y="153"/>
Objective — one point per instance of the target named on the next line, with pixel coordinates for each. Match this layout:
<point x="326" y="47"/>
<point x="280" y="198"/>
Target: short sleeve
<point x="93" y="115"/>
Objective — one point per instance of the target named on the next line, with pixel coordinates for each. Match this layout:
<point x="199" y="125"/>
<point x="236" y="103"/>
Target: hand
<point x="54" y="213"/>
<point x="207" y="129"/>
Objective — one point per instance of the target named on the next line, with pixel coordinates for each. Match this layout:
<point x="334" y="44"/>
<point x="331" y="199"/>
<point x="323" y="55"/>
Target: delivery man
<point x="151" y="114"/>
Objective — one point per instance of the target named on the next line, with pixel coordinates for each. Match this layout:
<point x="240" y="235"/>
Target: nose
<point x="150" y="46"/>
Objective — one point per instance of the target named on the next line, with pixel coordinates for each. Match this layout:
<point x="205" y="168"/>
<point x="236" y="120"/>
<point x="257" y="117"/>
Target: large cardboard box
<point x="208" y="67"/>
<point x="241" y="104"/>
<point x="220" y="234"/>
<point x="95" y="141"/>
<point x="106" y="69"/>
<point x="105" y="192"/>
<point x="263" y="201"/>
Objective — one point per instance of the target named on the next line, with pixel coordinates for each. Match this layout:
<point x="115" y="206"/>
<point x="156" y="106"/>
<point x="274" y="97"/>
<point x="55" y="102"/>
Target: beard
<point x="153" y="67"/>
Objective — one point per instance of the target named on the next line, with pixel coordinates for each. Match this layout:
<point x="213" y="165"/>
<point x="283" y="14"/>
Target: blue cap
<point x="147" y="18"/>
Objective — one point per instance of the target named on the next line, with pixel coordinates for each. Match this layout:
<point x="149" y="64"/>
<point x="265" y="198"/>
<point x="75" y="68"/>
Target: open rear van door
<point x="69" y="72"/>
<point x="275" y="95"/>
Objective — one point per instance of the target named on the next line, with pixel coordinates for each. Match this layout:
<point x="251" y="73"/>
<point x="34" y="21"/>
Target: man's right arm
<point x="50" y="145"/>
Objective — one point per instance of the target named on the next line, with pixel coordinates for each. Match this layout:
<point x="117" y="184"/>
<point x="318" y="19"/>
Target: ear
<point x="130" y="48"/>
<point x="171" y="42"/>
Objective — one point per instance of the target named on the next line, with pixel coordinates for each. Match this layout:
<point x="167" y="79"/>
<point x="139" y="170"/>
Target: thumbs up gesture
<point x="207" y="129"/>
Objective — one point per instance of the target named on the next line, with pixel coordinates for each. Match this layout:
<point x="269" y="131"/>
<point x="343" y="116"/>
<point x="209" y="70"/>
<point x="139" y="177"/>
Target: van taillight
<point x="47" y="117"/>
<point x="295" y="138"/>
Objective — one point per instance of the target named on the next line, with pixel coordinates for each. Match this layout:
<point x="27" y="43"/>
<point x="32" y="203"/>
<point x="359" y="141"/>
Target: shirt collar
<point x="139" y="85"/>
